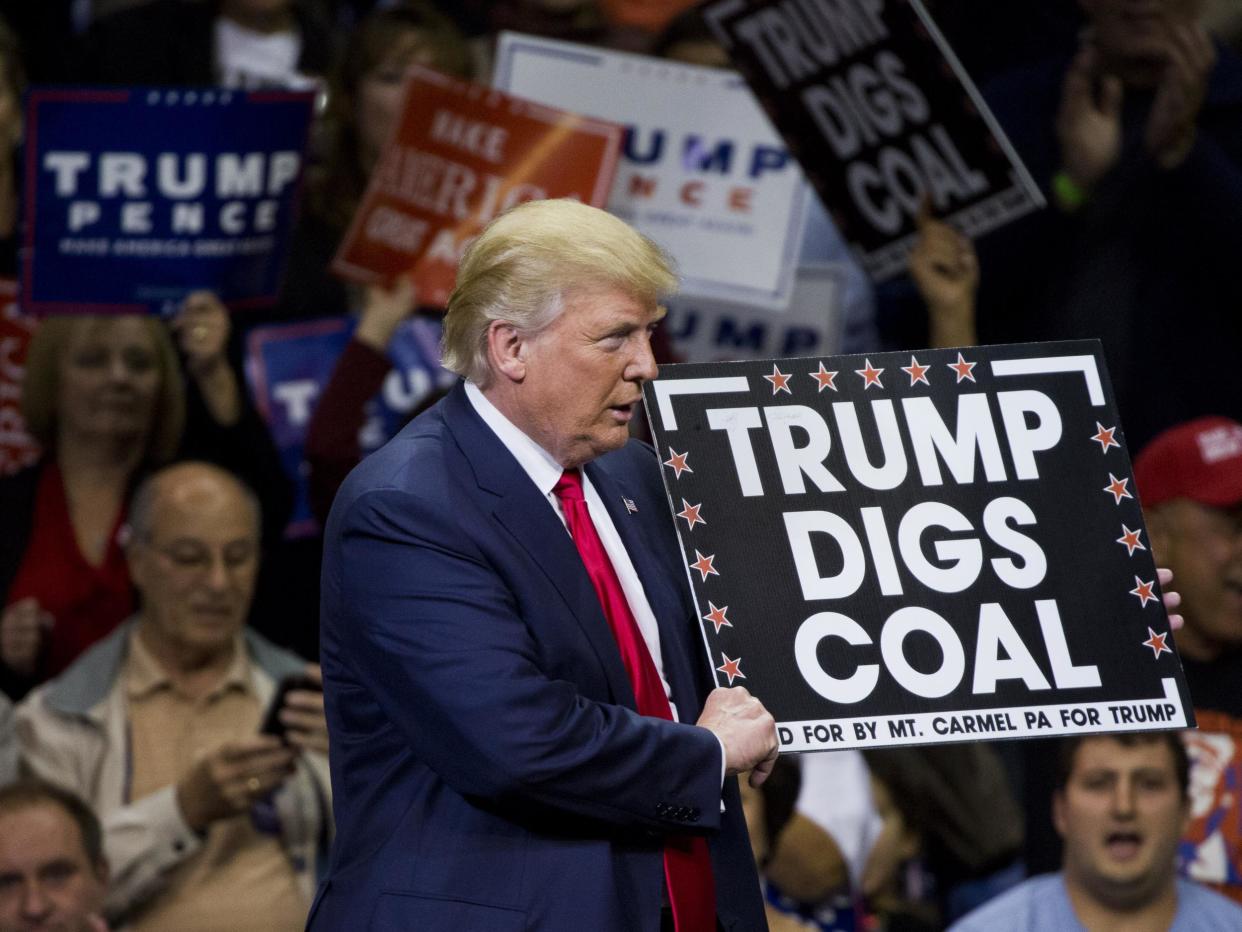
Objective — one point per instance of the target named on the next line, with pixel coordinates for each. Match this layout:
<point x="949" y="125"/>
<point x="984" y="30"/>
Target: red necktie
<point x="687" y="864"/>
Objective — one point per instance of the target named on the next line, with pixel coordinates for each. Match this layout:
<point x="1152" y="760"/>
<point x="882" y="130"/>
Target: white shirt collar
<point x="535" y="461"/>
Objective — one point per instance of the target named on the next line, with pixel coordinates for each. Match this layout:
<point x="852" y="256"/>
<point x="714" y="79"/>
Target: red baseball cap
<point x="1200" y="460"/>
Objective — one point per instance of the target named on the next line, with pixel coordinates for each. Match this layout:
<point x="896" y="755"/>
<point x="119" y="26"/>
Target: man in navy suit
<point x="510" y="656"/>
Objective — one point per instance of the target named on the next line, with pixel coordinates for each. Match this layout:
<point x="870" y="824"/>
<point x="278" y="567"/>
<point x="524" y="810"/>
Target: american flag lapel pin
<point x="630" y="506"/>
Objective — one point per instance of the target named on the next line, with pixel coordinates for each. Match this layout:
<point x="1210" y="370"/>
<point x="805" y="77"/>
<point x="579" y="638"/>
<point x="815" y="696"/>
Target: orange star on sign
<point x="1156" y="643"/>
<point x="730" y="668"/>
<point x="704" y="566"/>
<point x="717" y="617"/>
<point x="1104" y="437"/>
<point x="678" y="462"/>
<point x="824" y="378"/>
<point x="779" y="380"/>
<point x="1131" y="540"/>
<point x="870" y="375"/>
<point x="691" y="514"/>
<point x="964" y="369"/>
<point x="1144" y="591"/>
<point x="916" y="372"/>
<point x="1118" y="488"/>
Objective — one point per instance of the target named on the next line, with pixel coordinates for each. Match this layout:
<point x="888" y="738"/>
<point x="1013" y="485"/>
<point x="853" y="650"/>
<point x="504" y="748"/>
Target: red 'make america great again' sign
<point x="460" y="155"/>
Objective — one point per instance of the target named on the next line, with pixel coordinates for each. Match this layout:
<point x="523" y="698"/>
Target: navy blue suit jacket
<point x="489" y="770"/>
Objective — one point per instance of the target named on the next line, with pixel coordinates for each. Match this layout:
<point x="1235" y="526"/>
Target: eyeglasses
<point x="194" y="558"/>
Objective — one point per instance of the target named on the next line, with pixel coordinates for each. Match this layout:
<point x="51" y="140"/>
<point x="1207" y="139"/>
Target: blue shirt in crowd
<point x="1042" y="904"/>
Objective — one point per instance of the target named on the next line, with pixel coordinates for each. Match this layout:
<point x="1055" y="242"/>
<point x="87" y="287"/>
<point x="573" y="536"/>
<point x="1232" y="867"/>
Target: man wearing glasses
<point x="208" y="824"/>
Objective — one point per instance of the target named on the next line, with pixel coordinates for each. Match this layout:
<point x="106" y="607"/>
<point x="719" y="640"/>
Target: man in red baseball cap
<point x="1190" y="483"/>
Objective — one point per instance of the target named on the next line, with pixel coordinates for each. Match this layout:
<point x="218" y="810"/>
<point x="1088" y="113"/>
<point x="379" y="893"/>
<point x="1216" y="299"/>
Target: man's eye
<point x="188" y="557"/>
<point x="238" y="556"/>
<point x="139" y="360"/>
<point x="58" y="873"/>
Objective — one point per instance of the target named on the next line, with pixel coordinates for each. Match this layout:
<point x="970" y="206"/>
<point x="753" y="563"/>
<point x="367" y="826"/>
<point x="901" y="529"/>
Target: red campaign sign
<point x="17" y="449"/>
<point x="461" y="155"/>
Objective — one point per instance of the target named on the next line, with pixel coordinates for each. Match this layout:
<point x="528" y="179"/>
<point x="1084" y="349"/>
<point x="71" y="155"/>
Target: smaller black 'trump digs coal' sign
<point x="880" y="114"/>
<point x="913" y="548"/>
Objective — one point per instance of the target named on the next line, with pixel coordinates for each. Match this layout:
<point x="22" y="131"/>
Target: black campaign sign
<point x="913" y="548"/>
<point x="874" y="104"/>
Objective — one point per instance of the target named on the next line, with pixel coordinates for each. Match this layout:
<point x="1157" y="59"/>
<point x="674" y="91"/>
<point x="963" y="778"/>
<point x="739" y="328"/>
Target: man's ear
<point x="506" y="350"/>
<point x="1159" y="533"/>
<point x="135" y="560"/>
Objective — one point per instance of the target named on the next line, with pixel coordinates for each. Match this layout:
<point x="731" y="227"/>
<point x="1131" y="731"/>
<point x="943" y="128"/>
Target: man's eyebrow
<point x="59" y="864"/>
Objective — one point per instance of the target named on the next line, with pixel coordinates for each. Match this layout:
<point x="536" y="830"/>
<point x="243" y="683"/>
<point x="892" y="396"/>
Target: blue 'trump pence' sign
<point x="136" y="197"/>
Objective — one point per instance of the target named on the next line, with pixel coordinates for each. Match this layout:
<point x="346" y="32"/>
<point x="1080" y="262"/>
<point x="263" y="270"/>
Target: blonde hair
<point x="41" y="384"/>
<point x="526" y="260"/>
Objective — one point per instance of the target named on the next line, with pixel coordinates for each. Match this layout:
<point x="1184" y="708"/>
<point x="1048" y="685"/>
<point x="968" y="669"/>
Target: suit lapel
<point x="676" y="645"/>
<point x="515" y="502"/>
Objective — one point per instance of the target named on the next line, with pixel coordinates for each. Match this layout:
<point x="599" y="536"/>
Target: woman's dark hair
<point x="338" y="185"/>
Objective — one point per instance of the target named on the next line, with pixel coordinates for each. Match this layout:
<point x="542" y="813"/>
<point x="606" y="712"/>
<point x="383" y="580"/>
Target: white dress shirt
<point x="545" y="472"/>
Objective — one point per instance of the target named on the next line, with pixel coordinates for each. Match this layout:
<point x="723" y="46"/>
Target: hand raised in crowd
<point x="229" y="780"/>
<point x="22" y="629"/>
<point x="1088" y="122"/>
<point x="745" y="728"/>
<point x="1170" y="131"/>
<point x="201" y="328"/>
<point x="946" y="272"/>
<point x="383" y="310"/>
<point x="306" y="728"/>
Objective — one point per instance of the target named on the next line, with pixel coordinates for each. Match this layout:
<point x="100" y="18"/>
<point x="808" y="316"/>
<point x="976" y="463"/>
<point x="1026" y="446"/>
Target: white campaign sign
<point x="703" y="329"/>
<point x="702" y="171"/>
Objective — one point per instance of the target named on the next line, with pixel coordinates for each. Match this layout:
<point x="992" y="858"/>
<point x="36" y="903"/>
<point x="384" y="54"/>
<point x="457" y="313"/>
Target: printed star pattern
<point x="1118" y="488"/>
<point x="965" y="370"/>
<point x="730" y="668"/>
<point x="916" y="372"/>
<point x="824" y="378"/>
<point x="1131" y="540"/>
<point x="1104" y="437"/>
<point x="678" y="462"/>
<point x="871" y="375"/>
<point x="704" y="566"/>
<point x="691" y="514"/>
<point x="1154" y="641"/>
<point x="718" y="617"/>
<point x="780" y="381"/>
<point x="1144" y="591"/>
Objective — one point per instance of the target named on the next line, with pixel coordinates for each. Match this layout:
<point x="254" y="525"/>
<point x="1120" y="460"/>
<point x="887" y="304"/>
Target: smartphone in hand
<point x="272" y="725"/>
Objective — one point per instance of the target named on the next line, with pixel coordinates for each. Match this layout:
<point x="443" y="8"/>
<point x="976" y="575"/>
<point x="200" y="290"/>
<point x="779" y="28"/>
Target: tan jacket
<point x="72" y="732"/>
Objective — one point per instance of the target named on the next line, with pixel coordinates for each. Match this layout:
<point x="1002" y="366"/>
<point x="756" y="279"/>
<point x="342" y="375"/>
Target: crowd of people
<point x="163" y="739"/>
